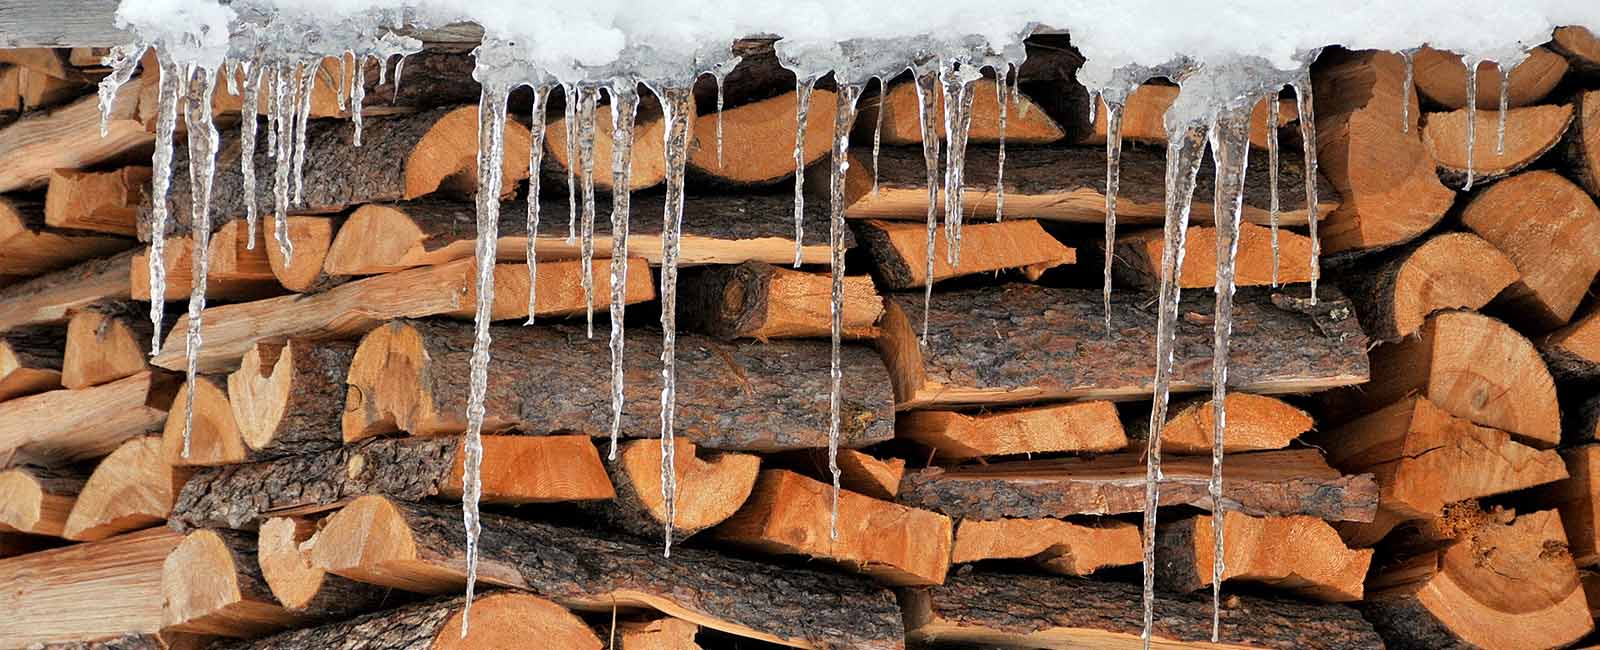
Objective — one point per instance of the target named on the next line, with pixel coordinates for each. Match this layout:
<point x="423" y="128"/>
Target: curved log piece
<point x="214" y="437"/>
<point x="1397" y="291"/>
<point x="649" y="162"/>
<point x="1054" y="545"/>
<point x="1579" y="45"/>
<point x="1026" y="122"/>
<point x="85" y="592"/>
<point x="106" y="341"/>
<point x="1254" y="423"/>
<point x="1530" y="132"/>
<point x="312" y="236"/>
<point x="37" y="500"/>
<point x="211" y="585"/>
<point x="761" y="301"/>
<point x="500" y="619"/>
<point x="1442" y="77"/>
<point x="900" y="250"/>
<point x="709" y="490"/>
<point x="1299" y="554"/>
<point x="1573" y="352"/>
<point x="859" y="471"/>
<point x="1139" y="257"/>
<point x="103" y="201"/>
<point x="288" y="398"/>
<point x="757" y="140"/>
<point x="132" y="488"/>
<point x="283" y="551"/>
<point x="1078" y="427"/>
<point x="30" y="361"/>
<point x="1582" y="145"/>
<point x="1550" y="229"/>
<point x="66" y="426"/>
<point x="664" y="633"/>
<point x="237" y="272"/>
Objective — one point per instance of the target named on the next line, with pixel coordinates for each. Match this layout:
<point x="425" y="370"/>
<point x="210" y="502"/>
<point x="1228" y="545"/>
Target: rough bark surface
<point x="306" y="418"/>
<point x="762" y="301"/>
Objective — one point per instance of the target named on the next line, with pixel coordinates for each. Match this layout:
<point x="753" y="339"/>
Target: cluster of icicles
<point x="1213" y="108"/>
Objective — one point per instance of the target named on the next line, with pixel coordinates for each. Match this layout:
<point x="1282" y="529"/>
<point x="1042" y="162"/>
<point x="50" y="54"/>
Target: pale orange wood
<point x="1299" y="554"/>
<point x="237" y="271"/>
<point x="1146" y="105"/>
<point x="900" y="250"/>
<point x="1578" y="498"/>
<point x="214" y="436"/>
<point x="311" y="237"/>
<point x="649" y="166"/>
<point x="85" y="592"/>
<point x="536" y="469"/>
<point x="707" y="491"/>
<point x="1451" y="270"/>
<point x="1550" y="229"/>
<point x="45" y="60"/>
<point x="1254" y="423"/>
<point x="66" y="426"/>
<point x="1581" y="148"/>
<point x="1055" y="545"/>
<point x="130" y="489"/>
<point x="106" y="341"/>
<point x="50" y="299"/>
<point x="1579" y="44"/>
<point x="68" y="138"/>
<point x="1139" y="254"/>
<point x="659" y="634"/>
<point x="757" y="139"/>
<point x="860" y="472"/>
<point x="28" y="246"/>
<point x="99" y="201"/>
<point x="39" y="90"/>
<point x="30" y="361"/>
<point x="1083" y="427"/>
<point x="283" y="551"/>
<point x="1442" y="77"/>
<point x="1026" y="122"/>
<point x="37" y="500"/>
<point x="764" y="301"/>
<point x="212" y="585"/>
<point x="1530" y="132"/>
<point x="1573" y="352"/>
<point x="10" y="89"/>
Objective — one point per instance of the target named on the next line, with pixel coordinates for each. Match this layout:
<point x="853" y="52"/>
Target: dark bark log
<point x="762" y="301"/>
<point x="30" y="361"/>
<point x="47" y="298"/>
<point x="287" y="399"/>
<point x="499" y="620"/>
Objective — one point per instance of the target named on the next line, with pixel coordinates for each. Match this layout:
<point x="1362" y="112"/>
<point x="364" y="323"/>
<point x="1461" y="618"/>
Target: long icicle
<point x="358" y="97"/>
<point x="1114" y="108"/>
<point x="308" y="85"/>
<point x="1000" y="73"/>
<point x="677" y="105"/>
<point x="1308" y="135"/>
<point x="1405" y="90"/>
<point x="588" y="96"/>
<point x="624" y="107"/>
<point x="249" y="101"/>
<point x="536" y="129"/>
<point x="1500" y="119"/>
<point x="877" y="130"/>
<point x="1472" y="120"/>
<point x="202" y="137"/>
<point x="957" y="79"/>
<point x="844" y="117"/>
<point x="570" y="123"/>
<point x="286" y="78"/>
<point x="802" y="109"/>
<point x="169" y="92"/>
<point x="1273" y="123"/>
<point x="927" y="81"/>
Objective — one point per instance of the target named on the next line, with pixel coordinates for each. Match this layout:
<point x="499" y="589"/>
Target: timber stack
<point x="1413" y="458"/>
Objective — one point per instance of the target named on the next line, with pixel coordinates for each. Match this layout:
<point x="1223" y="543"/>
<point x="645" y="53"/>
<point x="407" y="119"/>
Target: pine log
<point x="66" y="426"/>
<point x="1469" y="365"/>
<point x="1550" y="229"/>
<point x="106" y="341"/>
<point x="1372" y="151"/>
<point x="211" y="585"/>
<point x="1453" y="270"/>
<point x="859" y="471"/>
<point x="99" y="201"/>
<point x="1500" y="585"/>
<point x="283" y="551"/>
<point x="1251" y="423"/>
<point x="214" y="437"/>
<point x="38" y="90"/>
<point x="1056" y="546"/>
<point x="48" y="299"/>
<point x="515" y="470"/>
<point x="665" y="633"/>
<point x="10" y="91"/>
<point x="1286" y="482"/>
<point x="649" y="164"/>
<point x="730" y="396"/>
<point x="900" y="250"/>
<point x="354" y="308"/>
<point x="310" y="236"/>
<point x="37" y="500"/>
<point x="1139" y="258"/>
<point x="68" y="137"/>
<point x="1580" y="507"/>
<point x="791" y="514"/>
<point x="1579" y="45"/>
<point x="1530" y="132"/>
<point x="499" y="620"/>
<point x="130" y="489"/>
<point x="30" y="246"/>
<point x="1077" y="427"/>
<point x="422" y="549"/>
<point x="761" y="301"/>
<point x="49" y="61"/>
<point x="757" y="140"/>
<point x="288" y="398"/>
<point x="85" y="592"/>
<point x="1302" y="555"/>
<point x="239" y="270"/>
<point x="1581" y="147"/>
<point x="997" y="609"/>
<point x="1067" y="184"/>
<point x="707" y="491"/>
<point x="1442" y="77"/>
<point x="1143" y="110"/>
<point x="1023" y="343"/>
<point x="1573" y="352"/>
<point x="30" y="361"/>
<point x="1026" y="122"/>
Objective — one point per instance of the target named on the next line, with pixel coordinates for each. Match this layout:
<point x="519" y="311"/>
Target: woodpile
<point x="1412" y="459"/>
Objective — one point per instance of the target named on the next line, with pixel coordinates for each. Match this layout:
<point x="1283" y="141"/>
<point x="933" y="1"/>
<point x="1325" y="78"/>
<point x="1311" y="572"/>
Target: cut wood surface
<point x="237" y="270"/>
<point x="85" y="592"/>
<point x="287" y="398"/>
<point x="66" y="426"/>
<point x="214" y="437"/>
<point x="212" y="585"/>
<point x="106" y="341"/>
<point x="761" y="301"/>
<point x="351" y="309"/>
<point x="1067" y="184"/>
<point x="283" y="551"/>
<point x="1530" y="132"/>
<point x="38" y="90"/>
<point x="1470" y="365"/>
<point x="100" y="201"/>
<point x="731" y="396"/>
<point x="1080" y="427"/>
<point x="500" y="620"/>
<point x="706" y="493"/>
<point x="68" y="137"/>
<point x="1371" y="149"/>
<point x="1139" y="256"/>
<point x="1286" y="482"/>
<point x="30" y="246"/>
<point x="900" y="250"/>
<point x="1573" y="352"/>
<point x="1012" y="610"/>
<point x="1026" y="122"/>
<point x="1302" y="555"/>
<point x="1579" y="45"/>
<point x="664" y="633"/>
<point x="47" y="60"/>
<point x="130" y="489"/>
<point x="1442" y="77"/>
<point x="1453" y="270"/>
<point x="30" y="361"/>
<point x="1057" y="546"/>
<point x="1550" y="229"/>
<point x="792" y="514"/>
<point x="37" y="500"/>
<point x="1582" y="145"/>
<point x="1021" y="342"/>
<point x="757" y="140"/>
<point x="48" y="299"/>
<point x="422" y="549"/>
<point x="1577" y="501"/>
<point x="1143" y="110"/>
<point x="859" y="471"/>
<point x="648" y="163"/>
<point x="1252" y="423"/>
<point x="1500" y="585"/>
<point x="515" y="470"/>
<point x="310" y="236"/>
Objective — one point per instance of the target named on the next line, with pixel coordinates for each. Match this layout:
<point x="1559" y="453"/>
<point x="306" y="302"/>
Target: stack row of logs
<point x="1409" y="456"/>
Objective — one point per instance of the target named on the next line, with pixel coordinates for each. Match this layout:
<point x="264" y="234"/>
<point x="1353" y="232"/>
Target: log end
<point x="375" y="238"/>
<point x="102" y="347"/>
<point x="132" y="488"/>
<point x="516" y="620"/>
<point x="312" y="238"/>
<point x="709" y="490"/>
<point x="214" y="437"/>
<point x="369" y="540"/>
<point x="446" y="157"/>
<point x="205" y="590"/>
<point x="536" y="469"/>
<point x="1254" y="423"/>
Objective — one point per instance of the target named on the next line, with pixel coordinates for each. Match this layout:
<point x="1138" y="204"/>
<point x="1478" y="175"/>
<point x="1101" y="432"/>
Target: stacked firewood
<point x="1408" y="455"/>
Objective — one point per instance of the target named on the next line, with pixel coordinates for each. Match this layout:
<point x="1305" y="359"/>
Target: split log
<point x="708" y="490"/>
<point x="87" y="57"/>
<point x="791" y="514"/>
<point x="238" y="271"/>
<point x="900" y="250"/>
<point x="499" y="620"/>
<point x="39" y="91"/>
<point x="10" y="92"/>
<point x="106" y="341"/>
<point x="48" y="299"/>
<point x="1469" y="365"/>
<point x="515" y="470"/>
<point x="1550" y="229"/>
<point x="1573" y="352"/>
<point x="1530" y="132"/>
<point x="1302" y="555"/>
<point x="1039" y="343"/>
<point x="757" y="140"/>
<point x="1054" y="612"/>
<point x="288" y="398"/>
<point x="212" y="585"/>
<point x="30" y="361"/>
<point x="45" y="60"/>
<point x="1139" y="257"/>
<point x="1442" y="77"/>
<point x="1577" y="501"/>
<point x="283" y="551"/>
<point x="1581" y="147"/>
<point x="1453" y="270"/>
<point x="1079" y="427"/>
<point x="214" y="437"/>
<point x="1067" y="184"/>
<point x="1287" y="482"/>
<point x="37" y="500"/>
<point x="30" y="246"/>
<point x="68" y="137"/>
<point x="1582" y="424"/>
<point x="310" y="236"/>
<point x="859" y="471"/>
<point x="85" y="592"/>
<point x="1026" y="121"/>
<point x="649" y="163"/>
<point x="130" y="489"/>
<point x="1252" y="423"/>
<point x="421" y="549"/>
<point x="1142" y="117"/>
<point x="741" y="396"/>
<point x="1054" y="545"/>
<point x="1579" y="45"/>
<point x="1371" y="150"/>
<point x="1500" y="585"/>
<point x="98" y="201"/>
<point x="664" y="633"/>
<point x="66" y="426"/>
<point x="354" y="308"/>
<point x="760" y="301"/>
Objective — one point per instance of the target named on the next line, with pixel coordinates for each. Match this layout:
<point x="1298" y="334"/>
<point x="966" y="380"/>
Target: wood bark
<point x="37" y="500"/>
<point x="311" y="236"/>
<point x="1056" y="546"/>
<point x="757" y="139"/>
<point x="85" y="592"/>
<point x="707" y="491"/>
<point x="1576" y="499"/>
<point x="287" y="399"/>
<point x="105" y="201"/>
<point x="1287" y="482"/>
<point x="760" y="301"/>
<point x="130" y="489"/>
<point x="499" y="620"/>
<point x="1395" y="293"/>
<point x="30" y="361"/>
<point x="214" y="437"/>
<point x="68" y="137"/>
<point x="66" y="426"/>
<point x="1022" y="343"/>
<point x="731" y="396"/>
<point x="1530" y="132"/>
<point x="1573" y="352"/>
<point x="283" y="551"/>
<point x="1581" y="147"/>
<point x="106" y="341"/>
<point x="48" y="299"/>
<point x="1143" y="110"/>
<point x="1253" y="423"/>
<point x="1442" y="77"/>
<point x="421" y="548"/>
<point x="1549" y="228"/>
<point x="1078" y="427"/>
<point x="1302" y="555"/>
<point x="900" y="251"/>
<point x="211" y="585"/>
<point x="1026" y="121"/>
<point x="30" y="246"/>
<point x="238" y="270"/>
<point x="1139" y="256"/>
<point x="1579" y="45"/>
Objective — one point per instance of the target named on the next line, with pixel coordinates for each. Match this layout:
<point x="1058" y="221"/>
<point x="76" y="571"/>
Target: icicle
<point x="677" y="105"/>
<point x="926" y="81"/>
<point x="169" y="92"/>
<point x="283" y="109"/>
<point x="536" y="128"/>
<point x="877" y="131"/>
<point x="588" y="96"/>
<point x="308" y="85"/>
<point x="248" y="123"/>
<point x="1273" y="123"/>
<point x="123" y="61"/>
<point x="624" y="106"/>
<point x="344" y="71"/>
<point x="1472" y="119"/>
<point x="1308" y="135"/>
<point x="1000" y="73"/>
<point x="957" y="79"/>
<point x="383" y="70"/>
<point x="844" y="118"/>
<point x="1114" y="107"/>
<point x="202" y="136"/>
<point x="570" y="121"/>
<point x="1505" y="99"/>
<point x="358" y="97"/>
<point x="1405" y="90"/>
<point x="272" y="107"/>
<point x="399" y="66"/>
<point x="802" y="109"/>
<point x="721" y="77"/>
